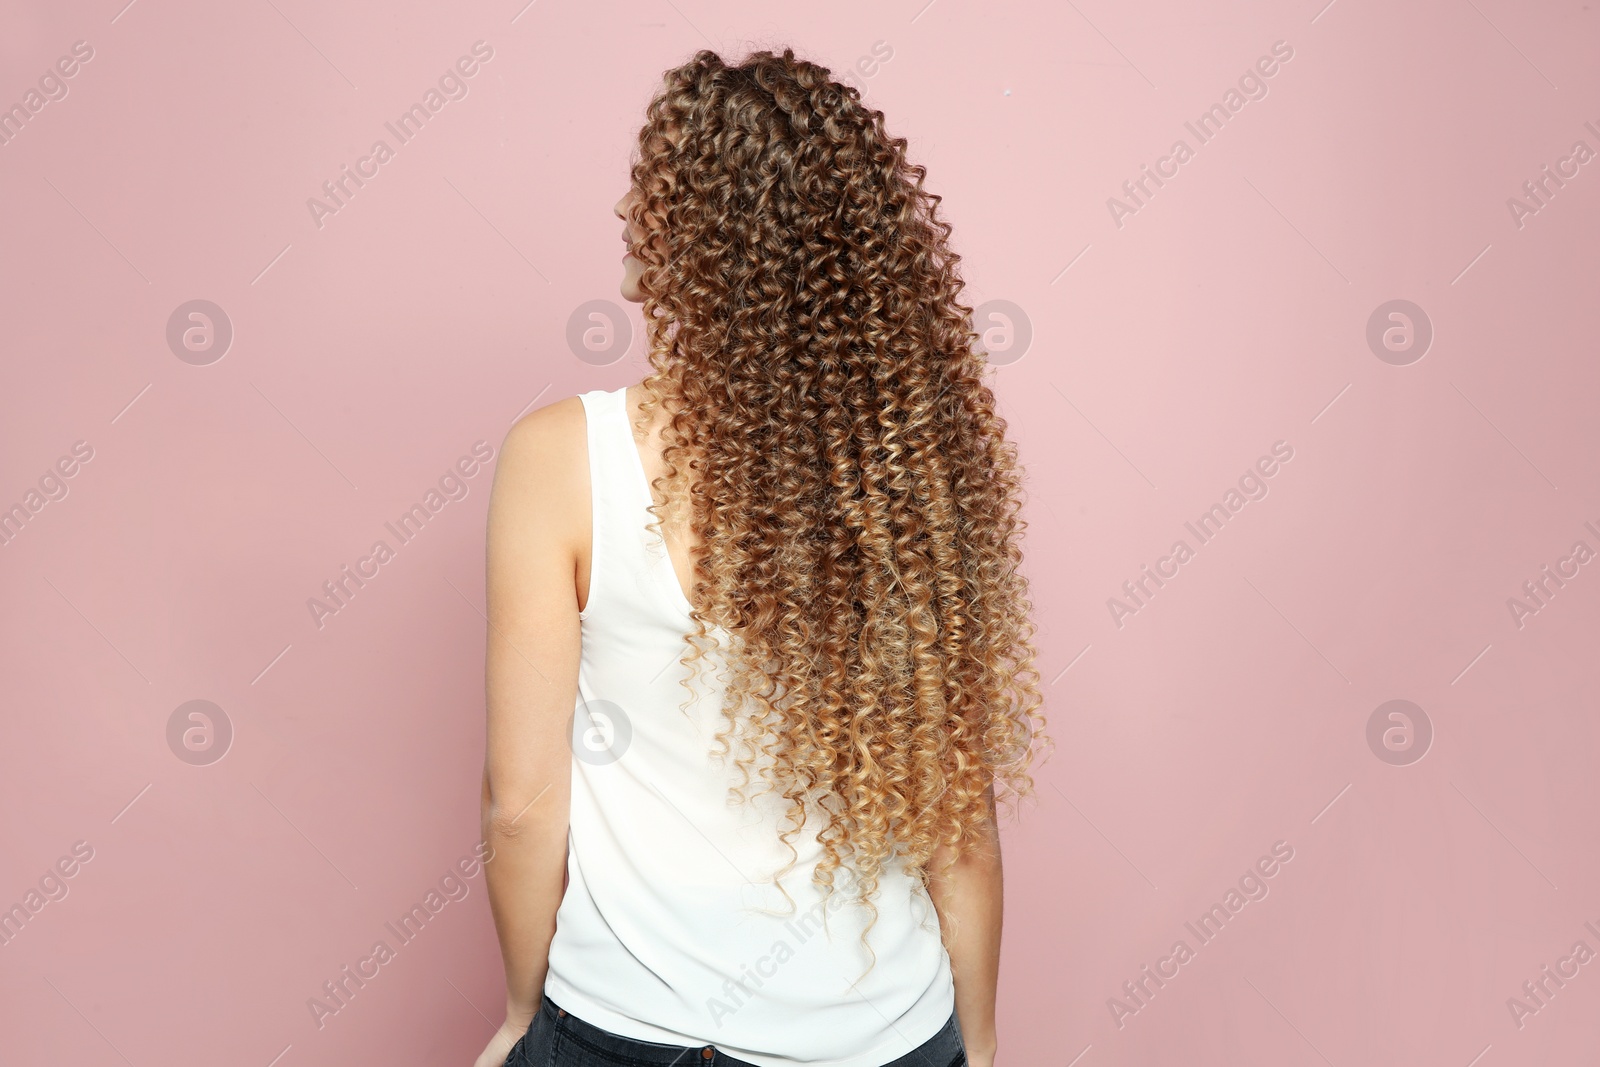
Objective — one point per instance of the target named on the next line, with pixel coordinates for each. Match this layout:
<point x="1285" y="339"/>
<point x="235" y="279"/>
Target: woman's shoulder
<point x="543" y="464"/>
<point x="555" y="434"/>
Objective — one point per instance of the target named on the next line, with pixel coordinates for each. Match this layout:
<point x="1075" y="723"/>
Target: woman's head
<point x="760" y="163"/>
<point x="853" y="493"/>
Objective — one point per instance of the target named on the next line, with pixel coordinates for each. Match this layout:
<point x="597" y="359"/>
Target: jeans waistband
<point x="944" y="1049"/>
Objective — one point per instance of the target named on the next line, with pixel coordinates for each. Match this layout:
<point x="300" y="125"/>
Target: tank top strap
<point x="628" y="565"/>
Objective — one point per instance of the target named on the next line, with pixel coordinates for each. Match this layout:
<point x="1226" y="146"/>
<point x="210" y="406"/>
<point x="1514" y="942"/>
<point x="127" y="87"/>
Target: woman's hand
<point x="980" y="1057"/>
<point x="499" y="1047"/>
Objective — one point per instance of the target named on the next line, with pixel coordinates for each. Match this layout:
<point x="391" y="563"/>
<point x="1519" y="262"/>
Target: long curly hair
<point x="828" y="433"/>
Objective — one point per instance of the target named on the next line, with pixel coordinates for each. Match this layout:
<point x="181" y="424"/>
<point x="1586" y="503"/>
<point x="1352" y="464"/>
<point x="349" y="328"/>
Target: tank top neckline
<point x="642" y="478"/>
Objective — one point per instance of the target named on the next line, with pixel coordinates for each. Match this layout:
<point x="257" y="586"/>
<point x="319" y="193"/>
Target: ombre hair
<point x="830" y="437"/>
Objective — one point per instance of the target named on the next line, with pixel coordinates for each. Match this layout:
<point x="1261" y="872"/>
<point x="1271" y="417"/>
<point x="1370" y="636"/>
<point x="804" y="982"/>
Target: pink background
<point x="1167" y="355"/>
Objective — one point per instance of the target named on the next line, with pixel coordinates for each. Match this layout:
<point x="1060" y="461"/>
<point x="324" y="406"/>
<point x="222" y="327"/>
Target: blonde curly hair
<point x="852" y="489"/>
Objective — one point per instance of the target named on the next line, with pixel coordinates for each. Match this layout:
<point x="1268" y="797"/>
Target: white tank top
<point x="661" y="935"/>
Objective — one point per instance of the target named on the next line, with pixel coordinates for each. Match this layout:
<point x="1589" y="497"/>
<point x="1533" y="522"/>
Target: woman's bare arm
<point x="969" y="898"/>
<point x="531" y="681"/>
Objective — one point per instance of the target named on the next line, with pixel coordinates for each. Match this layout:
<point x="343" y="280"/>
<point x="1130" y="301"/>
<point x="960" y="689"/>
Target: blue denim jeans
<point x="557" y="1038"/>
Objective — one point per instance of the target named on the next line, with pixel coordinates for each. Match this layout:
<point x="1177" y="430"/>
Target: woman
<point x="759" y="648"/>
